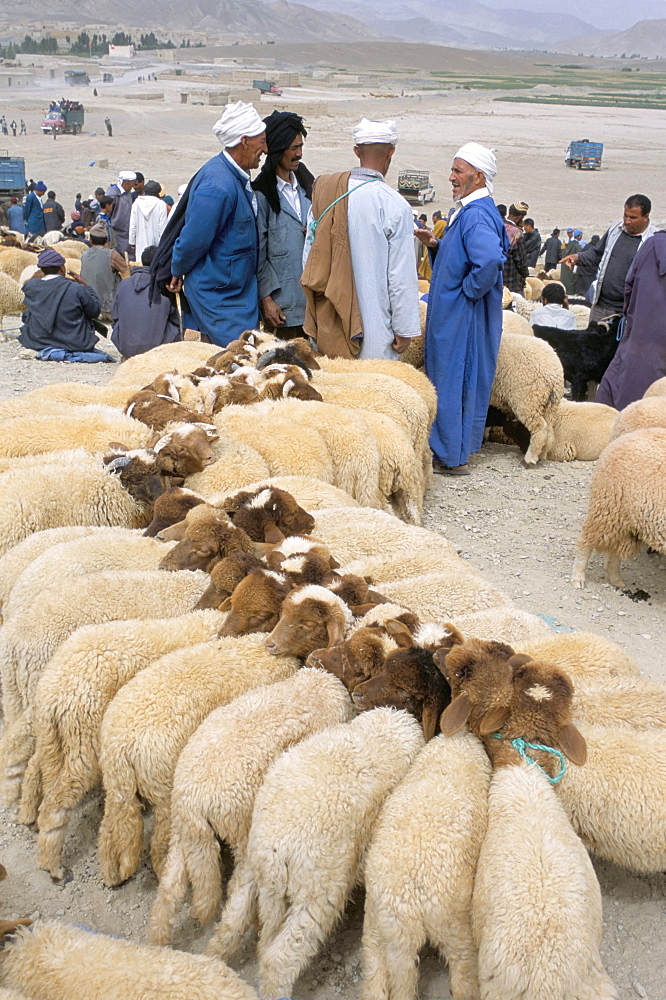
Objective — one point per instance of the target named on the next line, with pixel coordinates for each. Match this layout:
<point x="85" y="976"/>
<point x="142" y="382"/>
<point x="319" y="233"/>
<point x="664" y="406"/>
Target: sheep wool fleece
<point x="464" y="326"/>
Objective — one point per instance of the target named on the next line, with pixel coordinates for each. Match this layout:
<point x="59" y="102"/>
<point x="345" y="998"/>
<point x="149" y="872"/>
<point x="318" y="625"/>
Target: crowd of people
<point x="333" y="258"/>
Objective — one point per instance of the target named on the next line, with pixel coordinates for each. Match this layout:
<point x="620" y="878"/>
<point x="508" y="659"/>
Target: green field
<point x="592" y="100"/>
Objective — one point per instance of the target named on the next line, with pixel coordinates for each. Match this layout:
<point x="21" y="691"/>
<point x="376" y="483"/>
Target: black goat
<point x="585" y="354"/>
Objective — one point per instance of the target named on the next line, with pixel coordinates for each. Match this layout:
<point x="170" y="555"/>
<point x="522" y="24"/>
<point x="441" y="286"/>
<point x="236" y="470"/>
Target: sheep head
<point x="157" y="411"/>
<point x="311" y="618"/>
<point x="255" y="511"/>
<point x="294" y="352"/>
<point x="355" y="592"/>
<point x="225" y="577"/>
<point x="185" y="450"/>
<point x="254" y="605"/>
<point x="139" y="472"/>
<point x="355" y="660"/>
<point x="479" y="674"/>
<point x="170" y="508"/>
<point x="209" y="536"/>
<point x="409" y="678"/>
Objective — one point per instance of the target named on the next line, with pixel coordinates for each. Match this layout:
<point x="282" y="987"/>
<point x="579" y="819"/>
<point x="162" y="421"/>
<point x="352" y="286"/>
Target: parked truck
<point x="267" y="87"/>
<point x="584" y="155"/>
<point x="12" y="175"/>
<point x="65" y="117"/>
<point x="415" y="186"/>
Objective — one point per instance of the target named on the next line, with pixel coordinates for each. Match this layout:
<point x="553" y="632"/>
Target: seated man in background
<point x="137" y="325"/>
<point x="102" y="268"/>
<point x="59" y="312"/>
<point x="553" y="311"/>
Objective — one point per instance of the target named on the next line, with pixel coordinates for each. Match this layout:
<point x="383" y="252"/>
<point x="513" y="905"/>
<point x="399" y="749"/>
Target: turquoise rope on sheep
<point x="522" y="746"/>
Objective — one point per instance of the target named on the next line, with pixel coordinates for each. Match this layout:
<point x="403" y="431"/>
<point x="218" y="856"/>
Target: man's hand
<point x="175" y="285"/>
<point x="272" y="312"/>
<point x="76" y="277"/>
<point x="426" y="237"/>
<point x="570" y="260"/>
<point x="400" y="344"/>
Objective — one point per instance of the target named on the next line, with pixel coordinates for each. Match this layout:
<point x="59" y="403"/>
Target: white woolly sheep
<point x="53" y="961"/>
<point x="533" y="287"/>
<point x="92" y="427"/>
<point x="627" y="506"/>
<point x="580" y="431"/>
<point x="13" y="260"/>
<point x="76" y="686"/>
<point x="418" y="380"/>
<point x="81" y="394"/>
<point x="650" y="412"/>
<point x="72" y="249"/>
<point x="30" y="639"/>
<point x="515" y="323"/>
<point x="529" y="383"/>
<point x="357" y="534"/>
<point x="582" y="314"/>
<point x="24" y="406"/>
<point x="657" y="388"/>
<point x="286" y="449"/>
<point x="617" y="801"/>
<point x="533" y="865"/>
<point x="217" y="778"/>
<point x="443" y="595"/>
<point x="140" y="370"/>
<point x="104" y="550"/>
<point x="505" y="624"/>
<point x="436" y="556"/>
<point x="314" y="813"/>
<point x="19" y="557"/>
<point x="522" y="306"/>
<point x="11" y="299"/>
<point x="310" y="493"/>
<point x="419" y="871"/>
<point x="71" y="456"/>
<point x="42" y="496"/>
<point x="234" y="464"/>
<point x="632" y="704"/>
<point x="383" y="394"/>
<point x="583" y="656"/>
<point x="147" y="725"/>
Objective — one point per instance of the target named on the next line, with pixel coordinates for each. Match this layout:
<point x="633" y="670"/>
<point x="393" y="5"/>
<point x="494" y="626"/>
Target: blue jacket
<point x="281" y="239"/>
<point x="464" y="326"/>
<point x="15" y="218"/>
<point x="33" y="215"/>
<point x="217" y="252"/>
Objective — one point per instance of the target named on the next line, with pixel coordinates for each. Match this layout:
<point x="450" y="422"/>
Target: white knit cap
<point x="367" y="132"/>
<point x="237" y="120"/>
<point x="481" y="158"/>
<point x="126" y="175"/>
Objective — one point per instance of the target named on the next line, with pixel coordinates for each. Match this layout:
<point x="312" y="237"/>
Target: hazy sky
<point x="611" y="14"/>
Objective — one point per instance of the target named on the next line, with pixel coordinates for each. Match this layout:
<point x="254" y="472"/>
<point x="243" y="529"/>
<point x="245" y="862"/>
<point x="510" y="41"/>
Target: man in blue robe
<point x="217" y="249"/>
<point x="464" y="320"/>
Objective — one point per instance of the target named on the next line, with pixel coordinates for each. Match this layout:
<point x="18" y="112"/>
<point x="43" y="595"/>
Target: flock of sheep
<point x="218" y="603"/>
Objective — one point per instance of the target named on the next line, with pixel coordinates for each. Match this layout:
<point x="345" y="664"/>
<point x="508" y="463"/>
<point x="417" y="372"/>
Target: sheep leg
<point x="306" y="926"/>
<point x="120" y="836"/>
<point x="538" y="441"/>
<point x="272" y="906"/>
<point x="458" y="949"/>
<point x="159" y="842"/>
<point x="31" y="793"/>
<point x="612" y="568"/>
<point x="238" y="914"/>
<point x="16" y="749"/>
<point x="583" y="553"/>
<point x="375" y="985"/>
<point x="201" y="850"/>
<point x="170" y="897"/>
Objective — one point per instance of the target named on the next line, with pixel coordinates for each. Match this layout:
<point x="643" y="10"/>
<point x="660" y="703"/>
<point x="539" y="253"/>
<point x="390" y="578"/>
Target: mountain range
<point x="646" y="38"/>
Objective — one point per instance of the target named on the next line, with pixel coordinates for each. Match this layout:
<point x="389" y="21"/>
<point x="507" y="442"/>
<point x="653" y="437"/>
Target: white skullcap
<point x="367" y="132"/>
<point x="182" y="189"/>
<point x="237" y="120"/>
<point x="126" y="175"/>
<point x="481" y="158"/>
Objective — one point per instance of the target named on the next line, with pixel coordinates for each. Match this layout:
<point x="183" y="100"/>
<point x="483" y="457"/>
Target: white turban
<point x="237" y="120"/>
<point x="481" y="158"/>
<point x="367" y="132"/>
<point x="125" y="175"/>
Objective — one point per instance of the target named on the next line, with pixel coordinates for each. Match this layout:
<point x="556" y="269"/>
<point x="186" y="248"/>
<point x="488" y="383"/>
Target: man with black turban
<point x="284" y="190"/>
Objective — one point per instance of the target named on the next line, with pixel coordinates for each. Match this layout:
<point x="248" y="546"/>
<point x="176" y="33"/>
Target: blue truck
<point x="12" y="175"/>
<point x="584" y="155"/>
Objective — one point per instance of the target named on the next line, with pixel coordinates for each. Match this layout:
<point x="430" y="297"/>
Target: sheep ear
<point x="273" y="534"/>
<point x="333" y="563"/>
<point x="336" y="632"/>
<point x="456" y="715"/>
<point x="8" y="927"/>
<point x="439" y="659"/>
<point x="519" y="660"/>
<point x="154" y="439"/>
<point x="117" y="446"/>
<point x="225" y="605"/>
<point x="400" y="632"/>
<point x="494" y="720"/>
<point x="455" y="637"/>
<point x="429" y="718"/>
<point x="572" y="744"/>
<point x="261" y="548"/>
<point x="358" y="610"/>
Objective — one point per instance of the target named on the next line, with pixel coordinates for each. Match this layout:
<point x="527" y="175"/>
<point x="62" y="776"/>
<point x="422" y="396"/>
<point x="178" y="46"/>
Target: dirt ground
<point x="517" y="526"/>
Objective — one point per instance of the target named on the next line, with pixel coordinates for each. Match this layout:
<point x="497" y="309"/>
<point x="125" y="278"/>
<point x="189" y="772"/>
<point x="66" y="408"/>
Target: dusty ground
<point x="517" y="527"/>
